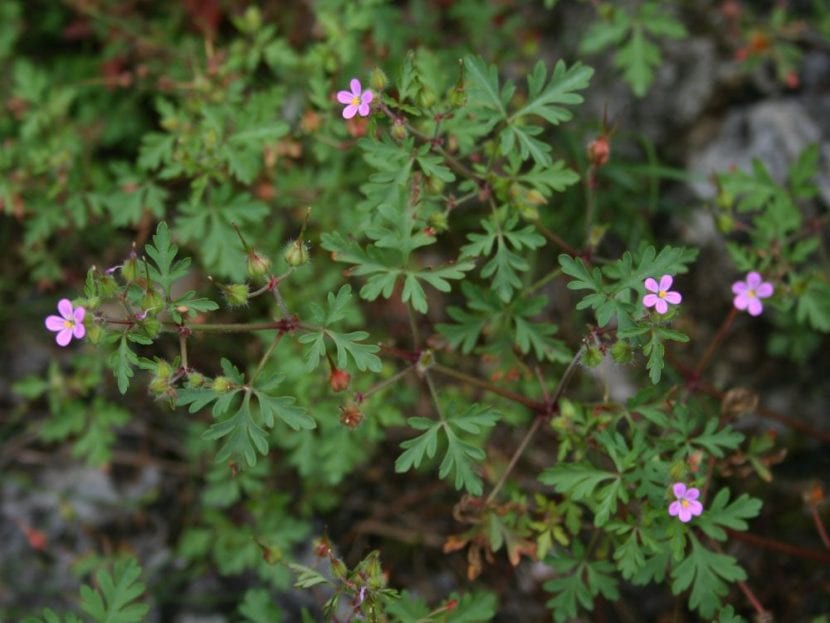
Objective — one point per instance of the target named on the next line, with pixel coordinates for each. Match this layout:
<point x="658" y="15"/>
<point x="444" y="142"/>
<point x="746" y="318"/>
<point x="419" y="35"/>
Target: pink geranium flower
<point x="748" y="294"/>
<point x="659" y="295"/>
<point x="357" y="100"/>
<point x="69" y="324"/>
<point x="686" y="505"/>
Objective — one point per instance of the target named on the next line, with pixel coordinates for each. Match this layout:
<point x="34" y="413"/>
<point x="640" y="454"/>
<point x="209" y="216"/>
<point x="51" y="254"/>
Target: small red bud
<point x="339" y="380"/>
<point x="792" y="80"/>
<point x="599" y="151"/>
<point x="350" y="416"/>
<point x="452" y="604"/>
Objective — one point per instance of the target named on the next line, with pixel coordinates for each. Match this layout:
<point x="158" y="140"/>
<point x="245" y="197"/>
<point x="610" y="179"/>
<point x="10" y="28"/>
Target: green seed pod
<point x="258" y="265"/>
<point x="107" y="286"/>
<point x="398" y="130"/>
<point x="195" y="379"/>
<point x="151" y="301"/>
<point x="439" y="221"/>
<point x="130" y="269"/>
<point x="426" y="97"/>
<point x="592" y="357"/>
<point x="621" y="352"/>
<point x="221" y="385"/>
<point x="94" y="333"/>
<point x="378" y="79"/>
<point x="236" y="294"/>
<point x="151" y="326"/>
<point x="296" y="253"/>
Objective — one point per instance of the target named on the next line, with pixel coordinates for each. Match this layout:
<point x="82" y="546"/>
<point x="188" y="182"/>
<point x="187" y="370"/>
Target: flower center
<point x="68" y="324"/>
<point x="751" y="293"/>
<point x="356" y="100"/>
<point x="662" y="294"/>
<point x="684" y="503"/>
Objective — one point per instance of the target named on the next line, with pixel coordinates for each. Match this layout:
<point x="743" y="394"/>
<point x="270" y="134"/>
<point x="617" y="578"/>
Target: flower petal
<point x="692" y="493"/>
<point x="55" y="323"/>
<point x="64" y="337"/>
<point x="364" y="110"/>
<point x="79" y="331"/>
<point x="739" y="287"/>
<point x="673" y="297"/>
<point x="764" y="290"/>
<point x="650" y="300"/>
<point x="674" y="509"/>
<point x="349" y="111"/>
<point x="354" y="85"/>
<point x="679" y="489"/>
<point x="661" y="306"/>
<point x="741" y="301"/>
<point x="79" y="314"/>
<point x="695" y="507"/>
<point x="344" y="97"/>
<point x="685" y="515"/>
<point x="753" y="280"/>
<point x="755" y="307"/>
<point x="65" y="308"/>
<point x="665" y="282"/>
<point x="367" y="96"/>
<point x="651" y="285"/>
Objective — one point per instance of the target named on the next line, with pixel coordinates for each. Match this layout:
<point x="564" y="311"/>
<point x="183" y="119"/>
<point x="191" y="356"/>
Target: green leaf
<point x="306" y="576"/>
<point x="243" y="436"/>
<point x="258" y="606"/>
<point x="163" y="253"/>
<point x="461" y="455"/>
<point x="282" y="407"/>
<point x="707" y="573"/>
<point x="579" y="481"/>
<point x="719" y="514"/>
<point x="122" y="362"/>
<point x="638" y="58"/>
<point x="578" y="583"/>
<point x="813" y="306"/>
<point x="547" y="100"/>
<point x="715" y="441"/>
<point x="484" y="86"/>
<point x="505" y="238"/>
<point x="113" y="600"/>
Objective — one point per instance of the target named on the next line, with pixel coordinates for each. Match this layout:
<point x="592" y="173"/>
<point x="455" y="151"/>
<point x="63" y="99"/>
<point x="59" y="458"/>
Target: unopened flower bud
<point x="130" y="269"/>
<point x="378" y="80"/>
<point x="296" y="253"/>
<point x="107" y="286"/>
<point x="338" y="569"/>
<point x="439" y="221"/>
<point x="339" y="380"/>
<point x="426" y="97"/>
<point x="592" y="357"/>
<point x="195" y="379"/>
<point x="151" y="326"/>
<point x="599" y="151"/>
<point x="435" y="184"/>
<point x="221" y="384"/>
<point x="621" y="352"/>
<point x="152" y="300"/>
<point x="399" y="131"/>
<point x="236" y="294"/>
<point x="458" y="97"/>
<point x="258" y="265"/>
<point x="94" y="333"/>
<point x="350" y="416"/>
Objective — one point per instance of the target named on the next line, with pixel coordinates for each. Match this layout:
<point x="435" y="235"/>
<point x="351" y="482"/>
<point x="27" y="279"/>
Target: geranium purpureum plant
<point x="427" y="317"/>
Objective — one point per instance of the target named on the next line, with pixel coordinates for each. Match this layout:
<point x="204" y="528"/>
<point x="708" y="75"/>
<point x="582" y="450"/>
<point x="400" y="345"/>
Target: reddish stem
<point x="716" y="341"/>
<point x="820" y="526"/>
<point x="779" y="546"/>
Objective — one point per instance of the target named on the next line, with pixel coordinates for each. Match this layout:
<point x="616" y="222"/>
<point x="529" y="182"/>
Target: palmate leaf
<point x="580" y="581"/>
<point x="114" y="599"/>
<point x="282" y="407"/>
<point x="163" y="253"/>
<point x="548" y="100"/>
<point x="461" y="455"/>
<point x="503" y="267"/>
<point x="707" y="573"/>
<point x="721" y="514"/>
<point x="484" y="86"/>
<point x="347" y="345"/>
<point x="243" y="436"/>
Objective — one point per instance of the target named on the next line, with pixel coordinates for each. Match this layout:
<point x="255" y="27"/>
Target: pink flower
<point x="748" y="294"/>
<point x="661" y="296"/>
<point x="357" y="100"/>
<point x="686" y="505"/>
<point x="69" y="324"/>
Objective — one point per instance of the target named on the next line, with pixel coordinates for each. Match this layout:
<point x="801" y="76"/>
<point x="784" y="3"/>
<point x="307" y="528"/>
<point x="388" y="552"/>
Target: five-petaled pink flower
<point x="748" y="294"/>
<point x="69" y="324"/>
<point x="659" y="295"/>
<point x="357" y="101"/>
<point x="686" y="505"/>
